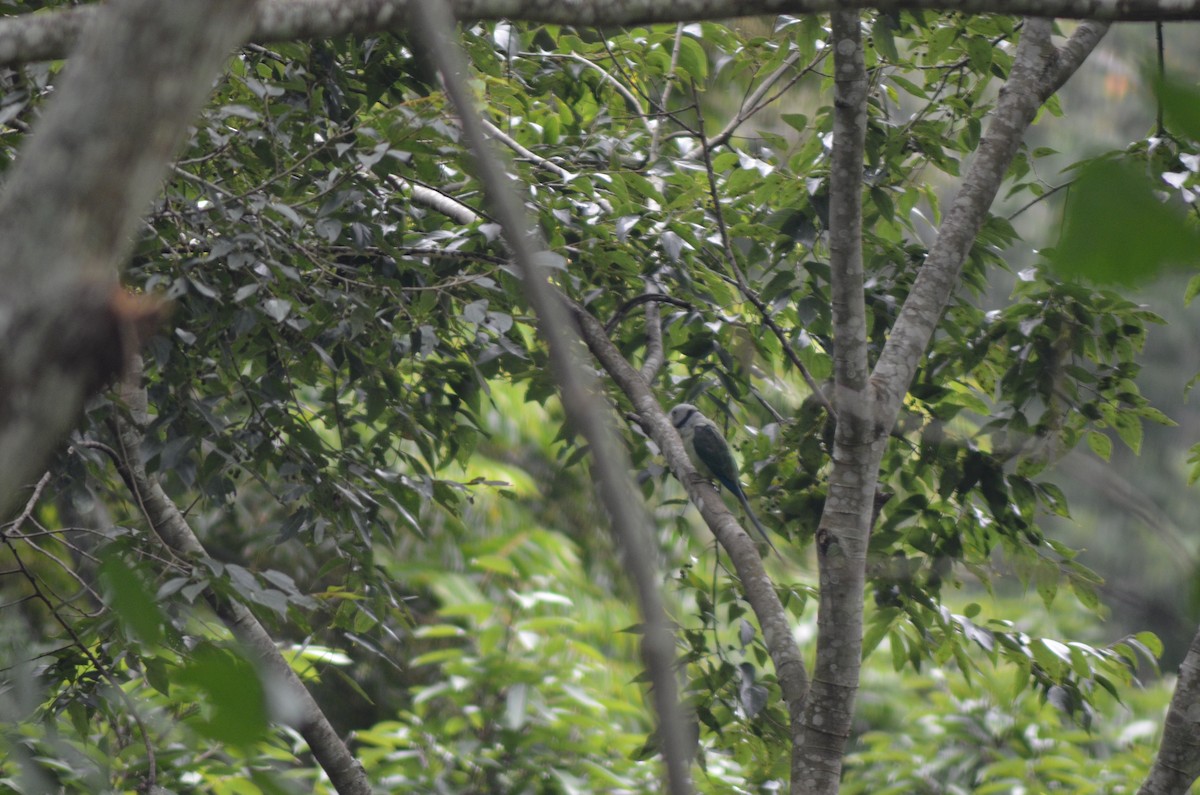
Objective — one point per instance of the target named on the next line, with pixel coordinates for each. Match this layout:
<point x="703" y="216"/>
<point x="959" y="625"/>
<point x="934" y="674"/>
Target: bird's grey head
<point x="683" y="415"/>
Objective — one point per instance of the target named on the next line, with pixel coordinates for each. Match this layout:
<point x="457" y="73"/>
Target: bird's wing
<point x="712" y="449"/>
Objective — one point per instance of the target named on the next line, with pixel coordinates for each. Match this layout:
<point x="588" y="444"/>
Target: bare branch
<point x="1038" y="70"/>
<point x="176" y="534"/>
<point x="48" y="36"/>
<point x="758" y="588"/>
<point x="14" y="526"/>
<point x="630" y="522"/>
<point x="537" y="160"/>
<point x="655" y="355"/>
<point x="446" y="205"/>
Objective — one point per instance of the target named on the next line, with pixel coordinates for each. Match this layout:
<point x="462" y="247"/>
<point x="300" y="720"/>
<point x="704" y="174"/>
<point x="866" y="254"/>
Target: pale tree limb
<point x="757" y="586"/>
<point x="169" y="525"/>
<point x="47" y="36"/>
<point x="536" y="159"/>
<point x="70" y="205"/>
<point x="1177" y="764"/>
<point x="1038" y="71"/>
<point x="820" y="745"/>
<point x="446" y="205"/>
<point x="655" y="355"/>
<point x="581" y="397"/>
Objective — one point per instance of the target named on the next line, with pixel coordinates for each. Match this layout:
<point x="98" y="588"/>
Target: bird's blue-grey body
<point x="711" y="455"/>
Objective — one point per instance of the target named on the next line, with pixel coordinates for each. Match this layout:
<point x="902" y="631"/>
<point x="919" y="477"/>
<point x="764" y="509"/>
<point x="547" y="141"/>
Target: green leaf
<point x="235" y="703"/>
<point x="1116" y="231"/>
<point x="130" y="597"/>
<point x="979" y="51"/>
<point x="1193" y="288"/>
<point x="881" y="34"/>
<point x="877" y="631"/>
<point x="1151" y="642"/>
<point x="692" y="58"/>
<point x="1129" y="428"/>
<point x="797" y="121"/>
<point x="1100" y="444"/>
<point x="1181" y="105"/>
<point x="1046" y="579"/>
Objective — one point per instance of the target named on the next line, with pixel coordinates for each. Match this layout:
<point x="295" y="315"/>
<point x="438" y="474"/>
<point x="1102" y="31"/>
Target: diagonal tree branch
<point x="70" y="204"/>
<point x="757" y="586"/>
<point x="1038" y="71"/>
<point x="168" y="523"/>
<point x="586" y="411"/>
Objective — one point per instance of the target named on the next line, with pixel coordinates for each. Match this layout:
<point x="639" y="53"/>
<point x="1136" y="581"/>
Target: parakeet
<point x="711" y="455"/>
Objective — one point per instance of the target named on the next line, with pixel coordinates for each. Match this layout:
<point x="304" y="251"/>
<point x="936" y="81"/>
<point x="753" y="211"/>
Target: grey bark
<point x="1177" y="763"/>
<point x="344" y="771"/>
<point x="41" y="37"/>
<point x="585" y="408"/>
<point x="841" y="538"/>
<point x="71" y="202"/>
<point x="867" y="409"/>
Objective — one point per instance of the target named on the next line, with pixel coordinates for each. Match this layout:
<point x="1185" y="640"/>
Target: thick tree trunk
<point x="1177" y="764"/>
<point x="71" y="203"/>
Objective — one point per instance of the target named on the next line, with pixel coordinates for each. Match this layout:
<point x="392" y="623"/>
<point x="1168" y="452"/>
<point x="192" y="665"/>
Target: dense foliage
<point x="352" y="408"/>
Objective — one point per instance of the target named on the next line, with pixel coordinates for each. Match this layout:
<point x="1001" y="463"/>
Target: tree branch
<point x="1038" y="71"/>
<point x="446" y="205"/>
<point x="49" y="36"/>
<point x="1177" y="763"/>
<point x="536" y="159"/>
<point x="168" y="523"/>
<point x="629" y="520"/>
<point x="845" y="523"/>
<point x="655" y="354"/>
<point x="70" y="205"/>
<point x="742" y="551"/>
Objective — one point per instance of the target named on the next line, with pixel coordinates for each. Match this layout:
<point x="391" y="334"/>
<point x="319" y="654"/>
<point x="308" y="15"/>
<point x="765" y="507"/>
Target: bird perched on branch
<point x="711" y="455"/>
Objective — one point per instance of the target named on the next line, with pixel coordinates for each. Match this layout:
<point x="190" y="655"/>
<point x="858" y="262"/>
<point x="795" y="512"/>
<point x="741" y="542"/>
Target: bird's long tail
<point x="758" y="525"/>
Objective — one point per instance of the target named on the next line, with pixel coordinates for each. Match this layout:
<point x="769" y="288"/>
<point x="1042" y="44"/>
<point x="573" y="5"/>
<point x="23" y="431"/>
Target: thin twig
<point x="77" y="641"/>
<point x="27" y="511"/>
<point x="740" y="278"/>
<point x="754" y="102"/>
<point x="663" y="101"/>
<point x="536" y="159"/>
<point x="1041" y="198"/>
<point x="644" y="298"/>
